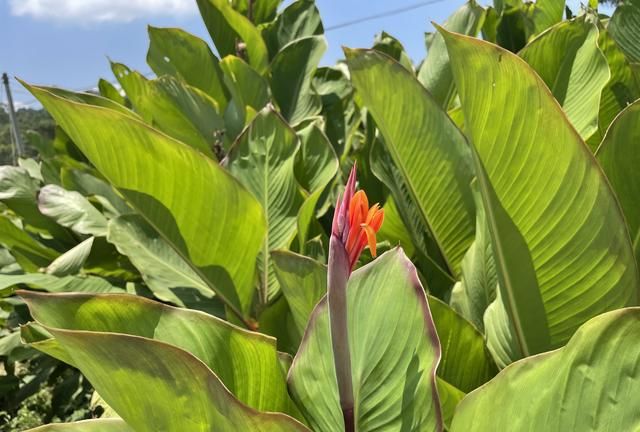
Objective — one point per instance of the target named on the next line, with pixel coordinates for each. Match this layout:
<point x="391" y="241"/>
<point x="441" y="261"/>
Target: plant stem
<point x="337" y="277"/>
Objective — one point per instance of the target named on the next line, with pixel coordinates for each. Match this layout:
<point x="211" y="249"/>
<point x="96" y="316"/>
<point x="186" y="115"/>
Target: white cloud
<point x="83" y="11"/>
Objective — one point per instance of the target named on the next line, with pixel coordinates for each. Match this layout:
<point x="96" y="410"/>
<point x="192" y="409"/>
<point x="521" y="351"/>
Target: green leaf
<point x="392" y="341"/>
<point x="18" y="191"/>
<point x="435" y="72"/>
<point x="303" y="282"/>
<point x="393" y="229"/>
<point x="91" y="186"/>
<point x="261" y="11"/>
<point x="127" y="329"/>
<point x="161" y="267"/>
<point x="72" y="210"/>
<point x="465" y="364"/>
<point x="184" y="56"/>
<point x="51" y="283"/>
<point x="298" y="20"/>
<point x="109" y="91"/>
<point x="569" y="61"/>
<point x="595" y="373"/>
<point x="430" y="153"/>
<point x="449" y="397"/>
<point x="291" y="72"/>
<point x="476" y="289"/>
<point x="315" y="166"/>
<point x="624" y="27"/>
<point x="619" y="158"/>
<point x="543" y="14"/>
<point x="90" y="99"/>
<point x="28" y="252"/>
<point x="72" y="261"/>
<point x="249" y="92"/>
<point x="93" y="425"/>
<point x="181" y="111"/>
<point x="263" y="160"/>
<point x="206" y="215"/>
<point x="227" y="27"/>
<point x="549" y="185"/>
<point x="517" y="282"/>
<point x="621" y="90"/>
<point x="392" y="47"/>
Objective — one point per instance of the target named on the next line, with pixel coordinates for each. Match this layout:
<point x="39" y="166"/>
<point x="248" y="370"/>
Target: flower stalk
<point x="354" y="227"/>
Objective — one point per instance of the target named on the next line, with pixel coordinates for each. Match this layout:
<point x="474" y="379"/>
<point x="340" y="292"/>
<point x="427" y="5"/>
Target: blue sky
<point x="67" y="42"/>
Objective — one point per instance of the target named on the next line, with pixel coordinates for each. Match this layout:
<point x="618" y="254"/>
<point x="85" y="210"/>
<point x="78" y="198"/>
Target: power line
<point x="385" y="14"/>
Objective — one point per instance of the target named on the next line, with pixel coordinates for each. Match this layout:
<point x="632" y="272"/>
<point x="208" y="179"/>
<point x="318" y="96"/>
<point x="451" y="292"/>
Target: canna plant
<point x="181" y="251"/>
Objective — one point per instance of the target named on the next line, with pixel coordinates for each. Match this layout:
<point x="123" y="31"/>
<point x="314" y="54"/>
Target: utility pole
<point x="12" y="118"/>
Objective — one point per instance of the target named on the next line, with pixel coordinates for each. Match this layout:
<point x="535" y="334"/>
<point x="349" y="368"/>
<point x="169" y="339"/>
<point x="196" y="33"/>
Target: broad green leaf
<point x="246" y="362"/>
<point x="263" y="160"/>
<point x="109" y="91"/>
<point x="588" y="385"/>
<point x="35" y="336"/>
<point x="72" y="210"/>
<point x="261" y="11"/>
<point x="93" y="425"/>
<point x="449" y="397"/>
<point x="393" y="229"/>
<point x="549" y="185"/>
<point x="520" y="296"/>
<point x="276" y="320"/>
<point x="245" y="84"/>
<point x="543" y="14"/>
<point x="478" y="280"/>
<point x="28" y="252"/>
<point x="90" y="99"/>
<point x="181" y="111"/>
<point x="465" y="363"/>
<point x="392" y="47"/>
<point x="383" y="167"/>
<point x="206" y="215"/>
<point x="249" y="93"/>
<point x="569" y="61"/>
<point x="511" y="25"/>
<point x="624" y="27"/>
<point x="227" y="28"/>
<point x="392" y="341"/>
<point x="430" y="153"/>
<point x="18" y="191"/>
<point x="435" y="72"/>
<point x="316" y="164"/>
<point x="291" y="72"/>
<point x="303" y="282"/>
<point x="298" y="20"/>
<point x="180" y="390"/>
<point x="90" y="185"/>
<point x="72" y="261"/>
<point x="175" y="52"/>
<point x="619" y="157"/>
<point x="161" y="267"/>
<point x="51" y="283"/>
<point x="428" y="255"/>
<point x="621" y="90"/>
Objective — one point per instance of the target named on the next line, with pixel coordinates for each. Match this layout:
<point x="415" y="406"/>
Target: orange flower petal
<point x="371" y="238"/>
<point x="358" y="208"/>
<point x="376" y="220"/>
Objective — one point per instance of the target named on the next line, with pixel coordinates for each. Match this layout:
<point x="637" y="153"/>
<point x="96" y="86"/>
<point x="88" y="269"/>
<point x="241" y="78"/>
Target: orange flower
<point x="364" y="223"/>
<point x="355" y="224"/>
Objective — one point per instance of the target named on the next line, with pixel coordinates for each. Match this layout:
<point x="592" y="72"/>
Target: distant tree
<point x="37" y="120"/>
